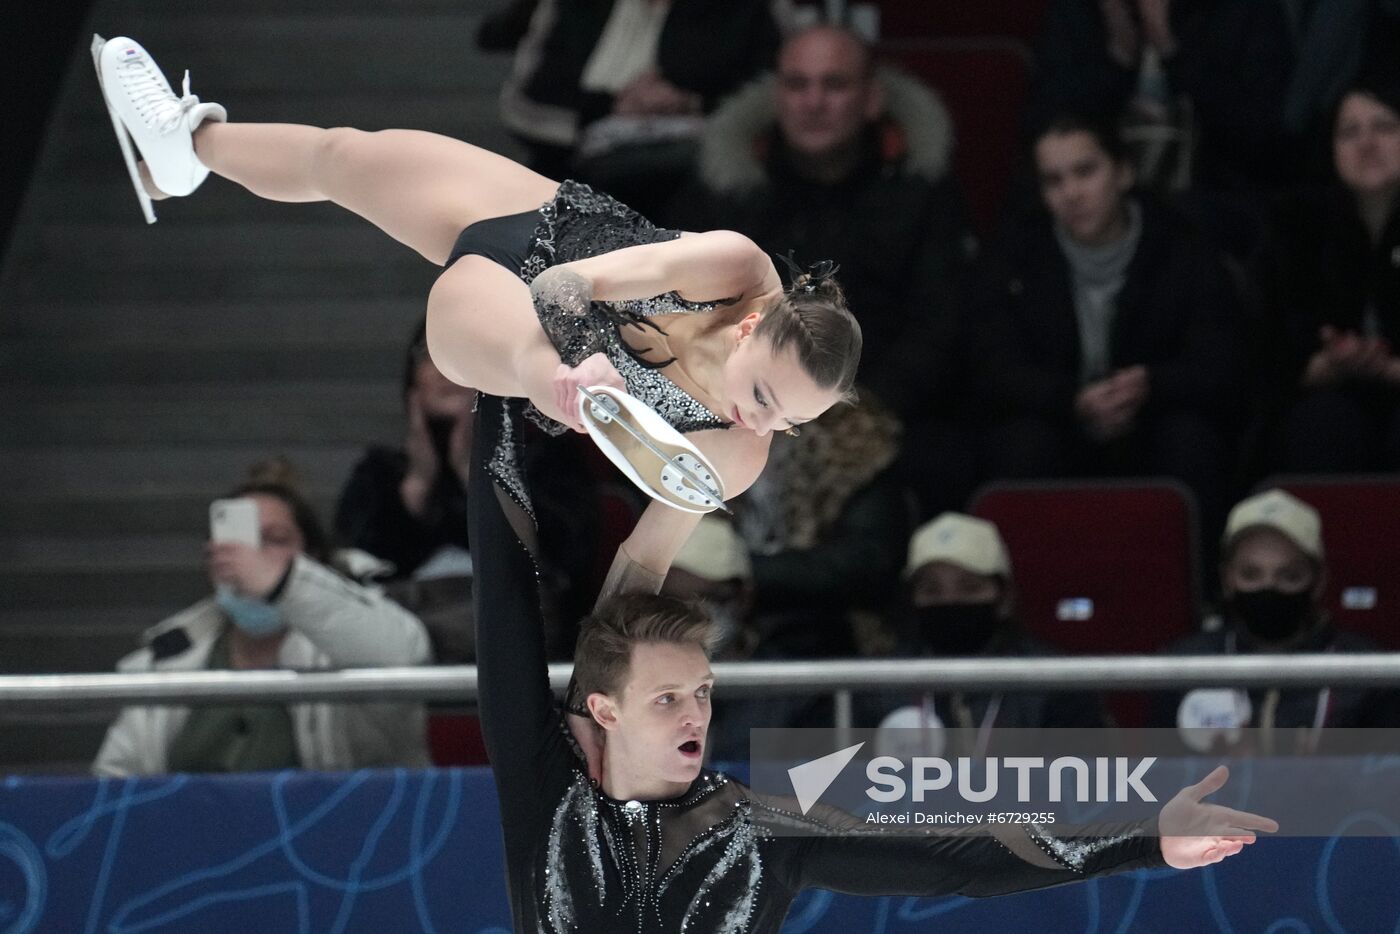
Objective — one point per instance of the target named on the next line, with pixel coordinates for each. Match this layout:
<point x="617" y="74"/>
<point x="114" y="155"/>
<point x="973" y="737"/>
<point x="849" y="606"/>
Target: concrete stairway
<point x="143" y="369"/>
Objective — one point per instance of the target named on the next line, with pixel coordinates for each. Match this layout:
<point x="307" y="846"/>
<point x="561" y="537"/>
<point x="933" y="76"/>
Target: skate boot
<point x="653" y="455"/>
<point x="146" y="112"/>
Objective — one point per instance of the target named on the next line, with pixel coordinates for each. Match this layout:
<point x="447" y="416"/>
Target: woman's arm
<point x="646" y="555"/>
<point x="719" y="264"/>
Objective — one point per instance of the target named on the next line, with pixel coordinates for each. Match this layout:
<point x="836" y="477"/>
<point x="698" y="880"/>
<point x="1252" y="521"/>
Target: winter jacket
<point x="1177" y="314"/>
<point x="332" y="623"/>
<point x="896" y="225"/>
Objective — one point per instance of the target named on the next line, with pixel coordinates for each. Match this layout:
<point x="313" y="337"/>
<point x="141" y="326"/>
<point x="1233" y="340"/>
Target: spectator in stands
<point x="1273" y="576"/>
<point x="1108" y="333"/>
<point x="1261" y="77"/>
<point x="408" y="507"/>
<point x="824" y="527"/>
<point x="614" y="93"/>
<point x="713" y="568"/>
<point x="835" y="158"/>
<point x="959" y="601"/>
<point x="275" y="606"/>
<point x="403" y="505"/>
<point x="1331" y="281"/>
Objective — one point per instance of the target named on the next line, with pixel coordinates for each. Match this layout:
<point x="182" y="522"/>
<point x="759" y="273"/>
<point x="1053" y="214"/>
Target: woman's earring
<point x="793" y="432"/>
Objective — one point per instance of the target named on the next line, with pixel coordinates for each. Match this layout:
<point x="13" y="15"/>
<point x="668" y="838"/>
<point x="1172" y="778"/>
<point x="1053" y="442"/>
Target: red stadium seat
<point x="1360" y="516"/>
<point x="983" y="82"/>
<point x="1102" y="568"/>
<point x="454" y="737"/>
<point x="929" y="19"/>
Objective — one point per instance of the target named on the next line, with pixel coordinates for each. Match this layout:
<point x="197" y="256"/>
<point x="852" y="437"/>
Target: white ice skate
<point x="653" y="455"/>
<point x="146" y="112"/>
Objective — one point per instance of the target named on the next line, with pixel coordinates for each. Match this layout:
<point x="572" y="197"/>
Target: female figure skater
<point x="547" y="285"/>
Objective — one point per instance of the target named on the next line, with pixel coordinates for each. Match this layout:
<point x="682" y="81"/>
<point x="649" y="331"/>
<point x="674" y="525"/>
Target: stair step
<point x="81" y="148"/>
<point x="390" y="323"/>
<point x="94" y="362"/>
<point x="104" y="548"/>
<point x="136" y="514"/>
<point x="52" y="278"/>
<point x="334" y="51"/>
<point x="190" y="247"/>
<point x="98" y="588"/>
<point x="52" y="743"/>
<point x="51" y="642"/>
<point x="365" y="393"/>
<point x="159" y="468"/>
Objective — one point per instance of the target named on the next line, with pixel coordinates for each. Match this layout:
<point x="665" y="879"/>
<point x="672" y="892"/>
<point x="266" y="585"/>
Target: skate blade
<point x="682" y="480"/>
<point x="123" y="139"/>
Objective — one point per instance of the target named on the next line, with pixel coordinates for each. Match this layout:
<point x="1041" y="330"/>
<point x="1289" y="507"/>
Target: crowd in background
<point x="1195" y="275"/>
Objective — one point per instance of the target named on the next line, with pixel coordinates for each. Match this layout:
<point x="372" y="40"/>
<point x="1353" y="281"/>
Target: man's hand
<point x="649" y="94"/>
<point x="250" y="571"/>
<point x="592" y="371"/>
<point x="1109" y="407"/>
<point x="1198" y="834"/>
<point x="1348" y="355"/>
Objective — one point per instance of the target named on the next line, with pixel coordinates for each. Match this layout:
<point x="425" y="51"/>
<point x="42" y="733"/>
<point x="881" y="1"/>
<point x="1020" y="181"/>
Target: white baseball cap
<point x="1283" y="512"/>
<point x="715" y="552"/>
<point x="972" y="544"/>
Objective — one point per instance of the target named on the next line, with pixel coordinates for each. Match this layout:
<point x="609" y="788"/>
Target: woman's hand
<point x="251" y="571"/>
<point x="1198" y="834"/>
<point x="592" y="371"/>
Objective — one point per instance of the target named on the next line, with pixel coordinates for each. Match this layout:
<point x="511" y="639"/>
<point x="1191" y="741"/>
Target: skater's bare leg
<point x="483" y="332"/>
<point x="420" y="188"/>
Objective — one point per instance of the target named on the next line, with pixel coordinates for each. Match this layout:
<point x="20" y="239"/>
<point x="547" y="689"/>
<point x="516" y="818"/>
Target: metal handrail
<point x="459" y="683"/>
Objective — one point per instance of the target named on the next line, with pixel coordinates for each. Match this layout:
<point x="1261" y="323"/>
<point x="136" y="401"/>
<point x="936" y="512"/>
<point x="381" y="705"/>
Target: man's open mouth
<point x="690" y="747"/>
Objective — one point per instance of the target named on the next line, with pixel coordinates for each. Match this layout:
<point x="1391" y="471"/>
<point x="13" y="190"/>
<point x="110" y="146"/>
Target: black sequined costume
<point x="578" y="223"/>
<point x="710" y="860"/>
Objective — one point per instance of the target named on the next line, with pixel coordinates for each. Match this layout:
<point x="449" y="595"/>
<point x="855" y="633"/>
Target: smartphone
<point x="235" y="520"/>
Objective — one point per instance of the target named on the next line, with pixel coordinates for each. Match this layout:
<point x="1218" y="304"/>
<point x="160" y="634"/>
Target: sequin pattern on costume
<point x="1073" y="854"/>
<point x="579" y="223"/>
<point x="620" y="848"/>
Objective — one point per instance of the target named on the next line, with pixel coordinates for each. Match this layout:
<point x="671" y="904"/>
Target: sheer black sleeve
<point x="523" y="729"/>
<point x="975" y="862"/>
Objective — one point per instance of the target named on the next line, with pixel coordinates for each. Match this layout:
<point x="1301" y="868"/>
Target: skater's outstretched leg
<point x="420" y="188"/>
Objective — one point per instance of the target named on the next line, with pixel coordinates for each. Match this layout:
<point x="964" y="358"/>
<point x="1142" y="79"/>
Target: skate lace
<point x="155" y="103"/>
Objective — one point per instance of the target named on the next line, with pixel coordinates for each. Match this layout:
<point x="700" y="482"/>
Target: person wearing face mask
<point x="1273" y="576"/>
<point x="713" y="569"/>
<point x="274" y="606"/>
<point x="959" y="601"/>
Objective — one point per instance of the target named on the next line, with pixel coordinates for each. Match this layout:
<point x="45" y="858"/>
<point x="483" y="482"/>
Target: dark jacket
<point x="1319" y="267"/>
<point x="896" y="225"/>
<point x="371" y="515"/>
<point x="1177" y="315"/>
<point x="1297" y="707"/>
<point x="707" y="47"/>
<point x="855" y="564"/>
<point x="1014" y="709"/>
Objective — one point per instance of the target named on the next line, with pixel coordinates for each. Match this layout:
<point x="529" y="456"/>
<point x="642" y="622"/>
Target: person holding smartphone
<point x="276" y="604"/>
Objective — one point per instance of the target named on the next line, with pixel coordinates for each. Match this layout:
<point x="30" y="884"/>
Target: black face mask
<point x="1271" y="615"/>
<point x="440" y="431"/>
<point x="956" y="628"/>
